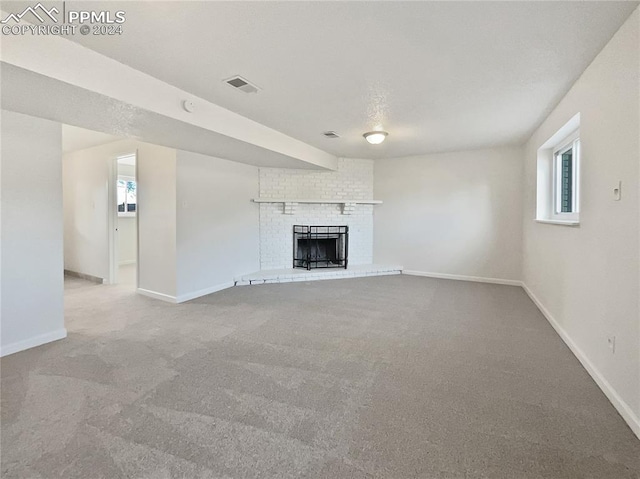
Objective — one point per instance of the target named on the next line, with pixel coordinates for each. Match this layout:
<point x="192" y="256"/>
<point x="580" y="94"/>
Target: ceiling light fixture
<point x="375" y="137"/>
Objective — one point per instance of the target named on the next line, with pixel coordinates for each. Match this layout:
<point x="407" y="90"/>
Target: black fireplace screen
<point x="320" y="246"/>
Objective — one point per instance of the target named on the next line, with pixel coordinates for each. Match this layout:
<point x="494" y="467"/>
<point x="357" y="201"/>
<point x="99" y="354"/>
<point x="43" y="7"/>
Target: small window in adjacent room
<point x="558" y="176"/>
<point x="126" y="196"/>
<point x="566" y="161"/>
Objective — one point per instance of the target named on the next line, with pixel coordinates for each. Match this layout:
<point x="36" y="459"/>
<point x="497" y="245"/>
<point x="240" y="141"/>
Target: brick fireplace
<point x="345" y="191"/>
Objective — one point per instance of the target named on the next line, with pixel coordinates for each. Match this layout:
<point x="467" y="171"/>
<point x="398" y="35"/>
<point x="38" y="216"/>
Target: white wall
<point x="32" y="277"/>
<point x="126" y="170"/>
<point x="217" y="223"/>
<point x="157" y="220"/>
<point x="86" y="215"/>
<point x="127" y="241"/>
<point x="197" y="227"/>
<point x="586" y="278"/>
<point x="353" y="180"/>
<point x="451" y="213"/>
<point x="86" y="199"/>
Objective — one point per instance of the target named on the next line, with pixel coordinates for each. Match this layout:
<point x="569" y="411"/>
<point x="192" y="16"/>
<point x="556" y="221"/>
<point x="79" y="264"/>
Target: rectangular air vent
<point x="241" y="84"/>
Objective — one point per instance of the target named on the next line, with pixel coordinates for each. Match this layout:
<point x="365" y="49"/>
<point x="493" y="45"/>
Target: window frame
<point x="571" y="142"/>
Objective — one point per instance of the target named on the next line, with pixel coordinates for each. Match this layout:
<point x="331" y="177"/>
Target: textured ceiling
<point x="438" y="76"/>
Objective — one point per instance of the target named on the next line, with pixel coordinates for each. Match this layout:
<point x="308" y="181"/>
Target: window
<point x="566" y="160"/>
<point x="127" y="203"/>
<point x="558" y="176"/>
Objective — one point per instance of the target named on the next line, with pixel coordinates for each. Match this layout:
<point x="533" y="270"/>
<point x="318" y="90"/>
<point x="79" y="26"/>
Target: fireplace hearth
<point x="320" y="246"/>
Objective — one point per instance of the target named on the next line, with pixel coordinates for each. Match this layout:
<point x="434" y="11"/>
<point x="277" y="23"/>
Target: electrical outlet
<point x="611" y="342"/>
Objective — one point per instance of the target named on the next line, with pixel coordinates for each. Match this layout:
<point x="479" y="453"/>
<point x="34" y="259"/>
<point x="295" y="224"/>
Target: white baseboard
<point x="88" y="277"/>
<point x="458" y="277"/>
<point x="33" y="342"/>
<point x="621" y="406"/>
<point x="184" y="297"/>
<point x="203" y="292"/>
<point x="155" y="295"/>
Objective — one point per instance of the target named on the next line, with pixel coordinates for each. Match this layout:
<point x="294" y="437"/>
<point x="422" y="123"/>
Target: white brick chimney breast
<point x="353" y="181"/>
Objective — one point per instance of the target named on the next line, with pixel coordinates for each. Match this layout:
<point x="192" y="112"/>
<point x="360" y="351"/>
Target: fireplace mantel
<point x="290" y="204"/>
<point x="328" y="202"/>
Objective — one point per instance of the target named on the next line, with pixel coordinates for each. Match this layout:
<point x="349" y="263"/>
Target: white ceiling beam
<point x="63" y="60"/>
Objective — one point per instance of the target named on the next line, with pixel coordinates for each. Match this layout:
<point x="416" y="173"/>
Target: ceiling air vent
<point x="331" y="134"/>
<point x="241" y="84"/>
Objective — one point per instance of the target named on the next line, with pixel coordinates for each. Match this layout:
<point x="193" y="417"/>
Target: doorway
<point x="124" y="219"/>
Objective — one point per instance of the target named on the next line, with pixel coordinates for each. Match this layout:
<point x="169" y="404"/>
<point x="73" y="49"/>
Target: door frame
<point x="112" y="219"/>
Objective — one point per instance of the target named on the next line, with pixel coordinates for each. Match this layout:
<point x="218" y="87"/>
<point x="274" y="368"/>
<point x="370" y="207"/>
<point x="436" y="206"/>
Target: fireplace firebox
<point x="320" y="246"/>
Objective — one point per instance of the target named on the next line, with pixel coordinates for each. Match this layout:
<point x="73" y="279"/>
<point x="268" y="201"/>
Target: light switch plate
<point x="617" y="191"/>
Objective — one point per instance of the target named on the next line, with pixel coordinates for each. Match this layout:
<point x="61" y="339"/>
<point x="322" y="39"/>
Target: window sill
<point x="559" y="222"/>
<point x="126" y="215"/>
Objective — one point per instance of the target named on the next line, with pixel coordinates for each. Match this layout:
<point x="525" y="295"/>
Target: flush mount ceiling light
<point x="375" y="137"/>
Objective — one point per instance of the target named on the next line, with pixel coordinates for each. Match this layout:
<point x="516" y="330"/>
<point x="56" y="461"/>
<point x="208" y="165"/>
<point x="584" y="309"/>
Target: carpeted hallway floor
<point x="383" y="377"/>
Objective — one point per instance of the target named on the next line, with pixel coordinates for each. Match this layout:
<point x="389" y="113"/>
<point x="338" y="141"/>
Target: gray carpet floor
<point x="381" y="377"/>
